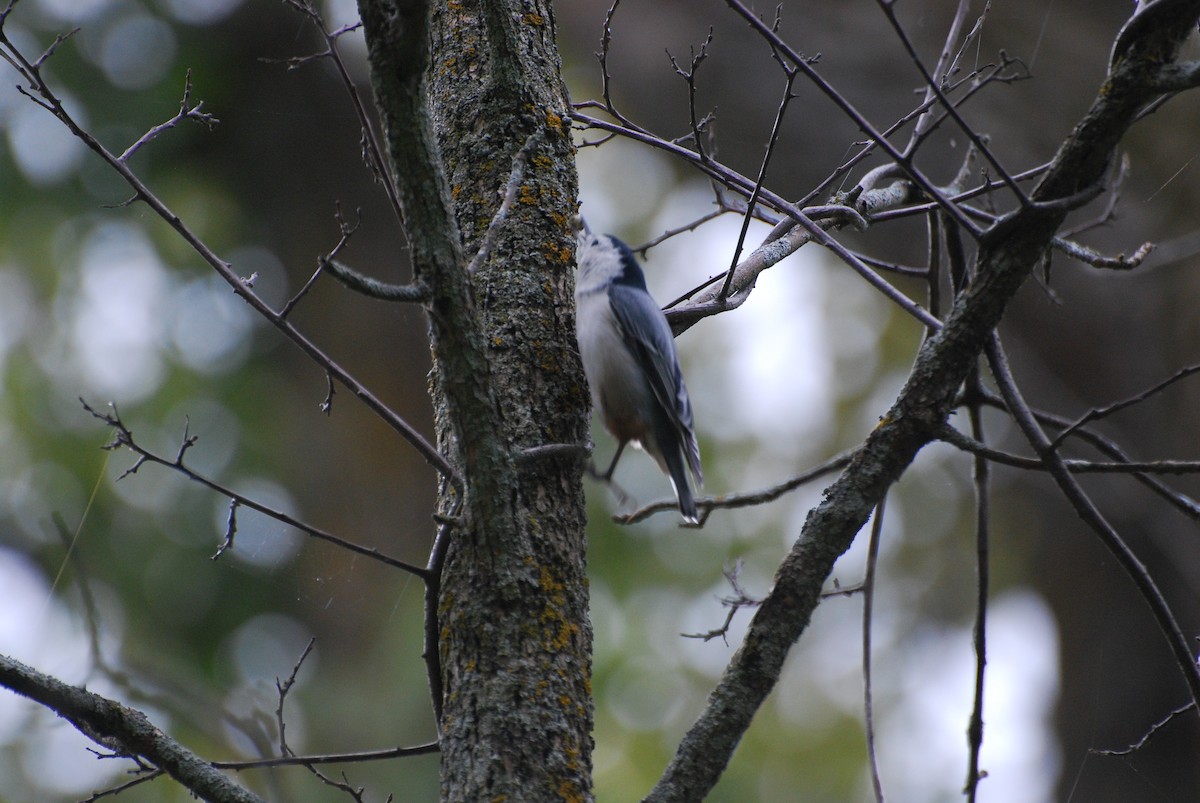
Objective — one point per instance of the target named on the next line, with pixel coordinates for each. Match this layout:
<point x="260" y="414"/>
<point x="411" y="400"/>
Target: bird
<point x="631" y="364"/>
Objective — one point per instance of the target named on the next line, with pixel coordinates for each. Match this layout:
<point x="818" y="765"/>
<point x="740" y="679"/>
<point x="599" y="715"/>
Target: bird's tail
<point x="677" y="471"/>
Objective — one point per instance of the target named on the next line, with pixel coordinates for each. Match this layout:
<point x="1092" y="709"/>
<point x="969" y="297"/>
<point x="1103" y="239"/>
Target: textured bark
<point x="513" y="635"/>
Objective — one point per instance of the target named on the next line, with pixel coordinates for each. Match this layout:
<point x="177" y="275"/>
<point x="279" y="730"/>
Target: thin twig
<point x="283" y="687"/>
<point x="955" y="438"/>
<point x="770" y="253"/>
<point x="706" y="505"/>
<point x="772" y="37"/>
<point x="432" y="654"/>
<point x="346" y="230"/>
<point x="1180" y="501"/>
<point x="698" y="125"/>
<point x="1155" y="728"/>
<point x="752" y="202"/>
<point x="733" y="603"/>
<point x="1096" y="413"/>
<point x="123" y="438"/>
<point x="330" y="758"/>
<point x="981" y="480"/>
<point x="1086" y="509"/>
<point x="932" y="85"/>
<point x="868" y="616"/>
<point x="186" y="112"/>
<point x="242" y="288"/>
<point x="372" y="150"/>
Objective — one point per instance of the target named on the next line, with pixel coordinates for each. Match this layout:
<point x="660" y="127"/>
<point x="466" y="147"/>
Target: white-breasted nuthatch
<point x="631" y="364"/>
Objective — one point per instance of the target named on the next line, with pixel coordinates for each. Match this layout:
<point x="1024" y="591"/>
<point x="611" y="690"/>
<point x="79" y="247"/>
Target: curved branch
<point x="125" y="730"/>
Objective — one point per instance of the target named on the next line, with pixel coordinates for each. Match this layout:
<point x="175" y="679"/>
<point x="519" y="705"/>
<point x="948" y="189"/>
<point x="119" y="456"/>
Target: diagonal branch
<point x="123" y="729"/>
<point x="1091" y="515"/>
<point x="46" y="97"/>
<point x="1009" y="251"/>
<point x="123" y="437"/>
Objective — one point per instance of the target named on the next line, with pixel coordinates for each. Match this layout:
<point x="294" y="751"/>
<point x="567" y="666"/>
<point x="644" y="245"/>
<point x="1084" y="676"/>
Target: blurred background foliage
<point x="111" y="584"/>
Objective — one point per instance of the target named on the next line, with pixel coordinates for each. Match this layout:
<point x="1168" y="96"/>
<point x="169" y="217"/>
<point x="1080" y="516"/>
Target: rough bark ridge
<point x="476" y="113"/>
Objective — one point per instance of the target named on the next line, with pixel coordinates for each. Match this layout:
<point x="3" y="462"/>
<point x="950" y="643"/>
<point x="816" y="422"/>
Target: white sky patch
<point x="117" y="317"/>
<point x="201" y="12"/>
<point x="36" y="629"/>
<point x="1019" y="753"/>
<point x="764" y="367"/>
<point x="45" y="151"/>
<point x="210" y="327"/>
<point x="260" y="540"/>
<point x="136" y="51"/>
<point x="33" y="626"/>
<point x="74" y="11"/>
<point x="620" y="185"/>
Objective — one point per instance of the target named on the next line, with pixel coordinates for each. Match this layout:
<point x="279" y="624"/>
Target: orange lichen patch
<point x="558" y="254"/>
<point x="570" y="792"/>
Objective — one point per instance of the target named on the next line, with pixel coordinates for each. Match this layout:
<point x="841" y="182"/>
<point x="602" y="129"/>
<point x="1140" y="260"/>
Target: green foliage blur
<point x="108" y="579"/>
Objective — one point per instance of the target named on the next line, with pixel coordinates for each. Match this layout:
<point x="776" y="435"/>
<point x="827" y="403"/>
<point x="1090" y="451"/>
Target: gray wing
<point x="648" y="334"/>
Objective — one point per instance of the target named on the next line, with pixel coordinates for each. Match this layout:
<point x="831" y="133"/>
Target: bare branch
<point x="1007" y="255"/>
<point x="769" y="254"/>
<point x="707" y="505"/>
<point x="346" y="230"/>
<point x="981" y="481"/>
<point x="733" y="603"/>
<point x="240" y="287"/>
<point x="414" y="293"/>
<point x="1092" y="516"/>
<point x="762" y="176"/>
<point x="283" y="687"/>
<point x="933" y="85"/>
<point x="804" y="65"/>
<point x="186" y="112"/>
<point x="1096" y="413"/>
<point x="372" y="150"/>
<point x="123" y="437"/>
<point x="1148" y="735"/>
<point x="1181" y="502"/>
<point x="128" y="731"/>
<point x="957" y="439"/>
<point x="331" y="758"/>
<point x="868" y="616"/>
<point x="689" y="75"/>
<point x="1098" y="260"/>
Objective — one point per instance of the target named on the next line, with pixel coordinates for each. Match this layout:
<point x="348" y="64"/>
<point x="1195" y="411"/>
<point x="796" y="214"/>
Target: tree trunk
<point x="479" y="140"/>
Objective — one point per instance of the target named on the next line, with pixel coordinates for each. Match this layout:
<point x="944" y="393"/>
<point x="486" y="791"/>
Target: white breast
<point x="619" y="389"/>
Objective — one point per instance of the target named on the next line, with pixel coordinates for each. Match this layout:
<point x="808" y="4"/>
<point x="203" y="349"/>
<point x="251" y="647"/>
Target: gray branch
<point x="125" y="730"/>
